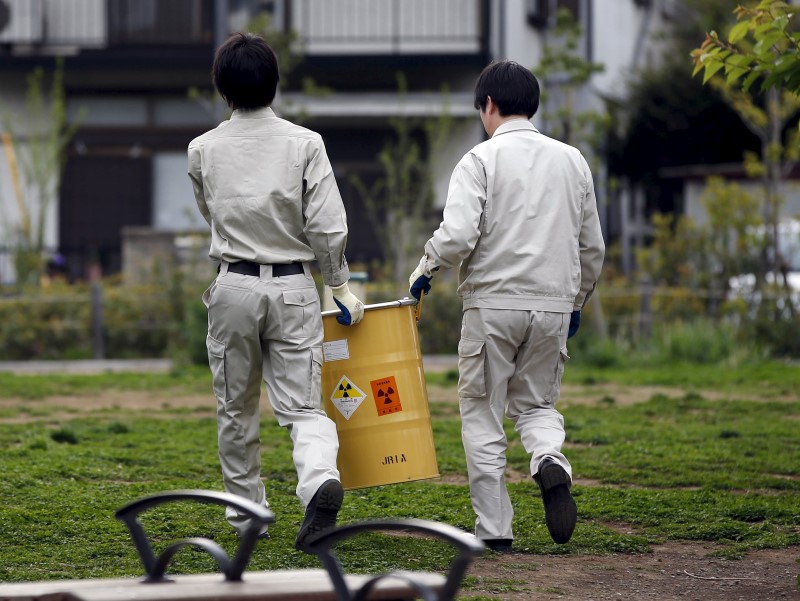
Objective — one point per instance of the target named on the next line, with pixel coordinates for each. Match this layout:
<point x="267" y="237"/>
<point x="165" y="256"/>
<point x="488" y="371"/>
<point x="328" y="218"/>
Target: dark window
<point x="542" y="13"/>
<point x="100" y="195"/>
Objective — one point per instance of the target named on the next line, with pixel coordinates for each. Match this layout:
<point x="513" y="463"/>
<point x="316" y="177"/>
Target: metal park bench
<point x="328" y="584"/>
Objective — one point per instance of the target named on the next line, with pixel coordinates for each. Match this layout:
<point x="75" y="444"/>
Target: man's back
<point x="536" y="193"/>
<point x="267" y="190"/>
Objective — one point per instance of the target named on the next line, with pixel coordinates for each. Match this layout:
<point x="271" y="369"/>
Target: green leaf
<point x="748" y="81"/>
<point x="781" y="23"/>
<point x="767" y="42"/>
<point x="793" y="81"/>
<point x="738" y="32"/>
<point x="711" y="70"/>
<point x="740" y="60"/>
<point x="761" y="30"/>
<point x="734" y="74"/>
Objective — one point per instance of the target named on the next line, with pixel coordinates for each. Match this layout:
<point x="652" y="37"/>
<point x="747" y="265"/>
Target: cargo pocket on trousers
<point x="216" y="361"/>
<point x="471" y="368"/>
<point x="300" y="308"/>
<point x="555" y="389"/>
<point x="314" y="389"/>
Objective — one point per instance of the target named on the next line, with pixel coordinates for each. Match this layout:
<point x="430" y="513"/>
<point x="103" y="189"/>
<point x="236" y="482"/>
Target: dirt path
<point x="680" y="571"/>
<point x="676" y="570"/>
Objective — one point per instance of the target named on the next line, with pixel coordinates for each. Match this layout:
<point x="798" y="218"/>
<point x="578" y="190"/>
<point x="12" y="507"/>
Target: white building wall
<point x="625" y="37"/>
<point x="513" y="38"/>
<point x="174" y="205"/>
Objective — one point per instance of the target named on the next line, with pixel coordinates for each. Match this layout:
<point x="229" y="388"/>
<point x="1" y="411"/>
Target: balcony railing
<point x="328" y="27"/>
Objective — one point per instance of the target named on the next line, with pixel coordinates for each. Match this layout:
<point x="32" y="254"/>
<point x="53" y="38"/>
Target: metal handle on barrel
<point x="398" y="303"/>
<point x="418" y="308"/>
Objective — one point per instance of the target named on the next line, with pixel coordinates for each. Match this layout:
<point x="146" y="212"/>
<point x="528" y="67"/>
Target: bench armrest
<point x="468" y="547"/>
<point x="156" y="566"/>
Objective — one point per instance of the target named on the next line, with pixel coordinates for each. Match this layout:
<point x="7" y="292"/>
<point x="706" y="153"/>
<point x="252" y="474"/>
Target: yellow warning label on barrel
<point x="346" y="397"/>
<point x="387" y="398"/>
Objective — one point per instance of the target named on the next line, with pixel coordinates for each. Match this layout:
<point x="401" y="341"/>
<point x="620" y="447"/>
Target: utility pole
<point x="221" y="11"/>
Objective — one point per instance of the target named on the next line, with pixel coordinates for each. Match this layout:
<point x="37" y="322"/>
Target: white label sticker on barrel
<point x="335" y="350"/>
<point x="347" y="397"/>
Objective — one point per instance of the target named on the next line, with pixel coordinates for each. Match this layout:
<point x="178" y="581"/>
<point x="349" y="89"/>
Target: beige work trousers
<point x="510" y="363"/>
<point x="271" y="328"/>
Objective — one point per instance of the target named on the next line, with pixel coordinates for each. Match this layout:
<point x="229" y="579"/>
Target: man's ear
<point x="491" y="107"/>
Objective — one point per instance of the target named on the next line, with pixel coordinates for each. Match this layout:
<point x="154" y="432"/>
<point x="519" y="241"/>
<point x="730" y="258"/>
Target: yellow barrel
<point x="373" y="386"/>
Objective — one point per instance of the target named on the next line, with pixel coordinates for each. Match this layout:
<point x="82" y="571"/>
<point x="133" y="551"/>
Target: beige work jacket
<point x="521" y="222"/>
<point x="266" y="188"/>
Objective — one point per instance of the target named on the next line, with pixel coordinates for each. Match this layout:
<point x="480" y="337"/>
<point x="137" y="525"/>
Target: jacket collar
<point x="260" y="113"/>
<point x="515" y="125"/>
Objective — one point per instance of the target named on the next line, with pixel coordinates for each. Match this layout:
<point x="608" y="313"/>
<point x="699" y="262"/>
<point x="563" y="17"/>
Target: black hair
<point x="245" y="71"/>
<point x="513" y="89"/>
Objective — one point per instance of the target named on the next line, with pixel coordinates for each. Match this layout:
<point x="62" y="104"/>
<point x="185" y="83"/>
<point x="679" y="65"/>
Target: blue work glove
<point x="574" y="323"/>
<point x="420" y="285"/>
<point x="420" y="280"/>
<point x="352" y="309"/>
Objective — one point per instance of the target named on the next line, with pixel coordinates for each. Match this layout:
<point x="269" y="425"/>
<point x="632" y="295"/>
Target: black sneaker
<point x="560" y="511"/>
<point x="499" y="545"/>
<point x="320" y="513"/>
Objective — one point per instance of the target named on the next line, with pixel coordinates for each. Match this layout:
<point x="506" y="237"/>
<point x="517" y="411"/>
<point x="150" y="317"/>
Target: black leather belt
<point x="278" y="269"/>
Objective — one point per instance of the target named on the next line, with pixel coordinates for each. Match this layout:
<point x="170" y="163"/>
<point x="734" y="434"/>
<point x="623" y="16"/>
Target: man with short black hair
<point x="266" y="188"/>
<point x="521" y="223"/>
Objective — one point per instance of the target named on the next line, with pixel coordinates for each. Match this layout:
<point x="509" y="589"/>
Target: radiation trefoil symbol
<point x="347" y="397"/>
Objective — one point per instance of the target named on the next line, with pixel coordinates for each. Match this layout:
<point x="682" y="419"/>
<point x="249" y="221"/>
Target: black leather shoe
<point x="321" y="513"/>
<point x="560" y="511"/>
<point x="499" y="545"/>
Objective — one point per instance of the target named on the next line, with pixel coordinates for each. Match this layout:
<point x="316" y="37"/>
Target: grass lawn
<point x="717" y="461"/>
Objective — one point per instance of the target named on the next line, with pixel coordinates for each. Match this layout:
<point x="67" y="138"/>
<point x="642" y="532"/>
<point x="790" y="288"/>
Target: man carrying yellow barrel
<point x="266" y="188"/>
<point x="521" y="223"/>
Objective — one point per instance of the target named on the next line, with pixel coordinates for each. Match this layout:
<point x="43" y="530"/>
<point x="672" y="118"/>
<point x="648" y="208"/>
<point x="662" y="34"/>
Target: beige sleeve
<point x="196" y="177"/>
<point x="325" y="223"/>
<point x="590" y="242"/>
<point x="460" y="228"/>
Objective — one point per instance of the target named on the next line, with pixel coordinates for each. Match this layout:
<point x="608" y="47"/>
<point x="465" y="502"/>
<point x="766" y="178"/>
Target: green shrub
<point x="51" y="325"/>
<point x="595" y="351"/>
<point x="194" y="330"/>
<point x="699" y="341"/>
<point x="139" y="321"/>
<point x="170" y="320"/>
<point x="776" y="325"/>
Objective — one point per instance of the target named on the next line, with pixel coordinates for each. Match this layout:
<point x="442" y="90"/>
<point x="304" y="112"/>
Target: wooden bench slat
<point x="288" y="585"/>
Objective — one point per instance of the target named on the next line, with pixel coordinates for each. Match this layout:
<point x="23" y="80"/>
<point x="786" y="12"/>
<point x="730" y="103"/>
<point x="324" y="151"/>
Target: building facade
<point x="137" y="82"/>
